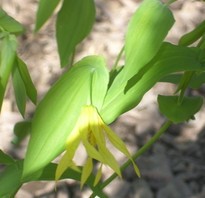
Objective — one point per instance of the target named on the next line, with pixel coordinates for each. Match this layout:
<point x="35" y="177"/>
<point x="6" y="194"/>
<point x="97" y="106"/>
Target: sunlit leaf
<point x="113" y="74"/>
<point x="145" y="35"/>
<point x="58" y="112"/>
<point x="179" y="111"/>
<point x="170" y="59"/>
<point x="144" y="38"/>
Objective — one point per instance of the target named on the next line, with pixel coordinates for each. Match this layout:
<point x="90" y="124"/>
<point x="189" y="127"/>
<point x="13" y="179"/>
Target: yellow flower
<point x="92" y="132"/>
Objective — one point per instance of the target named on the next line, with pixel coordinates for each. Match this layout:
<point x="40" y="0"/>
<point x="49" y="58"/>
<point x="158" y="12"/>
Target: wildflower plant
<point x="88" y="97"/>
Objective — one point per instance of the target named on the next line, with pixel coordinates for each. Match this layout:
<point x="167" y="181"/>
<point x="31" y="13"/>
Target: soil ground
<point x="174" y="167"/>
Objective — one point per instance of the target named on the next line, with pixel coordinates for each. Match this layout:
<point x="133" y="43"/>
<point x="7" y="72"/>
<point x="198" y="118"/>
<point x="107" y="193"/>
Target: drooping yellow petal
<point x="65" y="163"/>
<point x="95" y="124"/>
<point x="66" y="160"/>
<point x="116" y="141"/>
<point x="87" y="169"/>
<point x="110" y="160"/>
<point x="92" y="152"/>
<point x="119" y="144"/>
<point x="62" y="166"/>
<point x="92" y="132"/>
<point x="99" y="136"/>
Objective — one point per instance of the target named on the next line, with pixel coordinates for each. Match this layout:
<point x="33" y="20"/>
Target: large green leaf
<point x="170" y="59"/>
<point x="8" y="47"/>
<point x="9" y="24"/>
<point x="146" y="31"/>
<point x="45" y="10"/>
<point x="19" y="90"/>
<point x="179" y="111"/>
<point x="58" y="112"/>
<point x="74" y="22"/>
<point x="144" y="38"/>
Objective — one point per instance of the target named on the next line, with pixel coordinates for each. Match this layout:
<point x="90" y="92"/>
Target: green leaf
<point x="170" y="59"/>
<point x="74" y="22"/>
<point x="25" y="76"/>
<point x="193" y="36"/>
<point x="196" y="82"/>
<point x="8" y="52"/>
<point x="99" y="82"/>
<point x="145" y="35"/>
<point x="113" y="74"/>
<point x="184" y="82"/>
<point x="23" y="85"/>
<point x="9" y="24"/>
<point x="5" y="159"/>
<point x="143" y="40"/>
<point x="201" y="43"/>
<point x="179" y="112"/>
<point x="45" y="10"/>
<point x="48" y="173"/>
<point x="8" y="47"/>
<point x="10" y="180"/>
<point x="19" y="90"/>
<point x="21" y="130"/>
<point x="171" y="78"/>
<point x="58" y="112"/>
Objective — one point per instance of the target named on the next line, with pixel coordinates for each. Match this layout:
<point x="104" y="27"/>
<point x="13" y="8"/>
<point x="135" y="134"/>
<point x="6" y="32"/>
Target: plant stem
<point x="141" y="151"/>
<point x="72" y="59"/>
<point x="170" y="2"/>
<point x="118" y="58"/>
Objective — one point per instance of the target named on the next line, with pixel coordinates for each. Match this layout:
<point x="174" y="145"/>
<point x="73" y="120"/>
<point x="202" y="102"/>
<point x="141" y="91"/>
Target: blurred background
<point x="174" y="167"/>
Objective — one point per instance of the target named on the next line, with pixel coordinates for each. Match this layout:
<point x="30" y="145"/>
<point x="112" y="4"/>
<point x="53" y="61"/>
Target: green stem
<point x="170" y="2"/>
<point x="72" y="59"/>
<point x="118" y="58"/>
<point x="141" y="151"/>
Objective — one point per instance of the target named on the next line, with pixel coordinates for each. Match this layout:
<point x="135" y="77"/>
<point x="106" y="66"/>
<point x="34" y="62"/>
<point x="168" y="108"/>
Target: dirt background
<point x="174" y="167"/>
